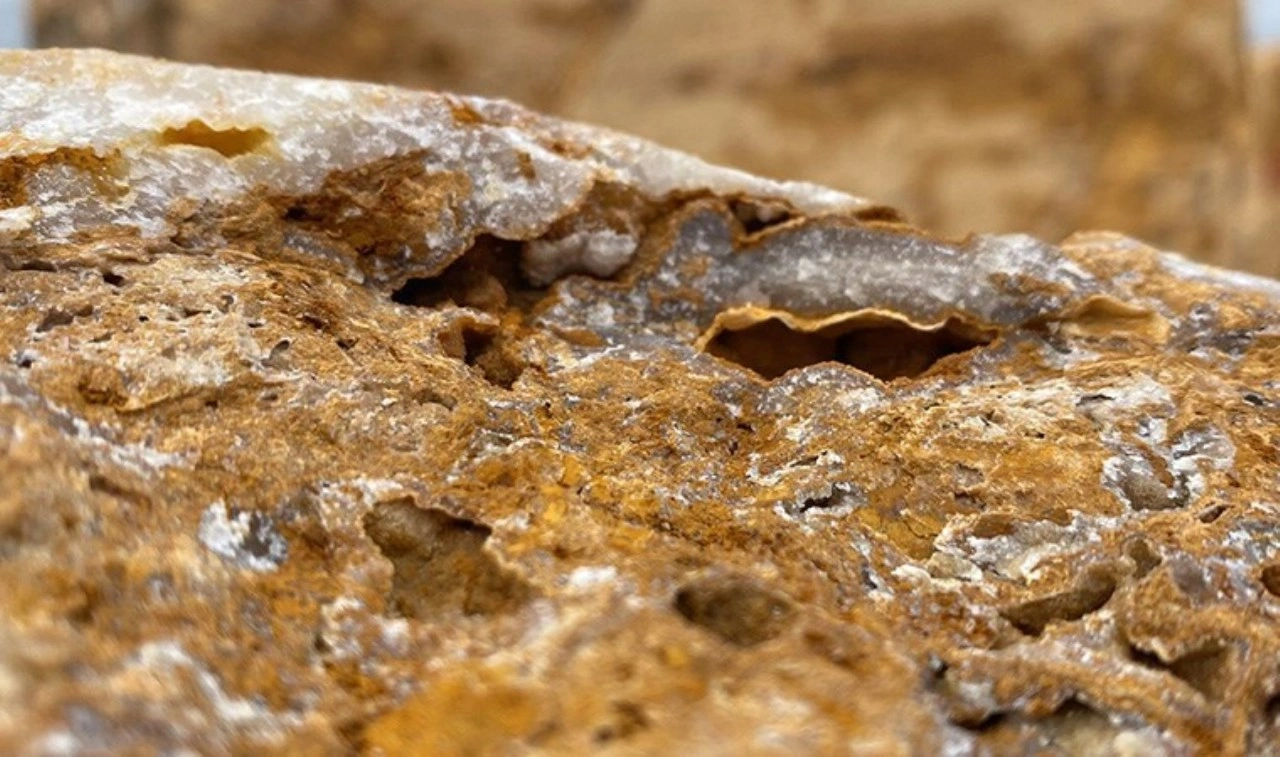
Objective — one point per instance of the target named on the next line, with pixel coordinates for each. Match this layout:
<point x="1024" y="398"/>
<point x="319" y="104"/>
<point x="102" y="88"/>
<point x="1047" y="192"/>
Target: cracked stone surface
<point x="338" y="418"/>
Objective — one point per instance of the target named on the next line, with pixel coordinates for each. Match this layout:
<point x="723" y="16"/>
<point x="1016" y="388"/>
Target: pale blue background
<point x="1264" y="20"/>
<point x="13" y="23"/>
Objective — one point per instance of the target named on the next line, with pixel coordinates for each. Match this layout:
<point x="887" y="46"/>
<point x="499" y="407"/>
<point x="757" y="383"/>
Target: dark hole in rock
<point x="1145" y="557"/>
<point x="316" y="321"/>
<point x="53" y="319"/>
<point x="984" y="724"/>
<point x="628" y="719"/>
<point x="261" y="540"/>
<point x="1211" y="513"/>
<point x="758" y="215"/>
<point x="842" y="495"/>
<point x="229" y="142"/>
<point x="112" y="279"/>
<point x="1270" y="577"/>
<point x="818" y="503"/>
<point x="278" y="358"/>
<point x="104" y="485"/>
<point x="59" y="317"/>
<point x="735" y="609"/>
<point x="1206" y="669"/>
<point x="1144" y="488"/>
<point x="440" y="563"/>
<point x="770" y="343"/>
<point x="485" y="349"/>
<point x="1093" y="589"/>
<point x="486" y="277"/>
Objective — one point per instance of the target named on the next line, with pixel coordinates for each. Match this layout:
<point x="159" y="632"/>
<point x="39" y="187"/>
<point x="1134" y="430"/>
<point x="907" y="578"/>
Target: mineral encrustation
<point x="337" y="417"/>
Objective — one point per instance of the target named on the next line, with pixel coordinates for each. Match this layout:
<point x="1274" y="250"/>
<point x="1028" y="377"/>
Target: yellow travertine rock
<point x="339" y="418"/>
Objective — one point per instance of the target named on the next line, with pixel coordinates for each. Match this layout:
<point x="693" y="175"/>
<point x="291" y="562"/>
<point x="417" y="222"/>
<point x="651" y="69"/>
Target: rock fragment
<point x="301" y="453"/>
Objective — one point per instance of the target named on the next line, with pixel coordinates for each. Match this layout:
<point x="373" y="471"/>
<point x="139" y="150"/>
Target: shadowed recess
<point x="440" y="563"/>
<point x="1270" y="577"/>
<point x="486" y="277"/>
<point x="1093" y="589"/>
<point x="1207" y="669"/>
<point x="884" y="345"/>
<point x="229" y="143"/>
<point x="735" y="609"/>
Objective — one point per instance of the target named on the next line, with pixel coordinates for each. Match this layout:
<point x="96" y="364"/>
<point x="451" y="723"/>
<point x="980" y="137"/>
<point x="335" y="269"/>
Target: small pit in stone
<point x="885" y="345"/>
<point x="628" y="719"/>
<point x="1145" y="557"/>
<point x="486" y="349"/>
<point x="486" y="277"/>
<point x="1206" y="669"/>
<point x="229" y="143"/>
<point x="1091" y="591"/>
<point x="440" y="565"/>
<point x="735" y="609"/>
<point x="58" y="317"/>
<point x="757" y="215"/>
<point x="1270" y="577"/>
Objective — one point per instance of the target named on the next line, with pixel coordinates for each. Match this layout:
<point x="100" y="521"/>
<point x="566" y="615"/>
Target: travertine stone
<point x="337" y="418"/>
<point x="1037" y="116"/>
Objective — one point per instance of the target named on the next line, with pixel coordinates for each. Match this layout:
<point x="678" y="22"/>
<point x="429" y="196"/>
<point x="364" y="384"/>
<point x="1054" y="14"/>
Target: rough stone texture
<point x="340" y="418"/>
<point x="1036" y="116"/>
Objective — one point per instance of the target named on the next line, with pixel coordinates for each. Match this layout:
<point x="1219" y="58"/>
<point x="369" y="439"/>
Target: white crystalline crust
<point x="601" y="253"/>
<point x="116" y="105"/>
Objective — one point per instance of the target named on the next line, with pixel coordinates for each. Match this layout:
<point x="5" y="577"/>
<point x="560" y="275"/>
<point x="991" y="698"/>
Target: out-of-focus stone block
<point x="1037" y="116"/>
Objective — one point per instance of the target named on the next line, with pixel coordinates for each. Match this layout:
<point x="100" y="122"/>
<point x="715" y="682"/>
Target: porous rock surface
<point x="336" y="417"/>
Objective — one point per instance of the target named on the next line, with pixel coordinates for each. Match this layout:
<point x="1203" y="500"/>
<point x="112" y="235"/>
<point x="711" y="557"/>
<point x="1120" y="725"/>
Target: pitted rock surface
<point x="342" y="418"/>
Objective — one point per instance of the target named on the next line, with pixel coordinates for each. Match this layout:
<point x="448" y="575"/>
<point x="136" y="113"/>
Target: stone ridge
<point x="343" y="418"/>
<point x="166" y="133"/>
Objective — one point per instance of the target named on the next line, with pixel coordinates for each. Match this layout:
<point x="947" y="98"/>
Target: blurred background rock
<point x="1153" y="117"/>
